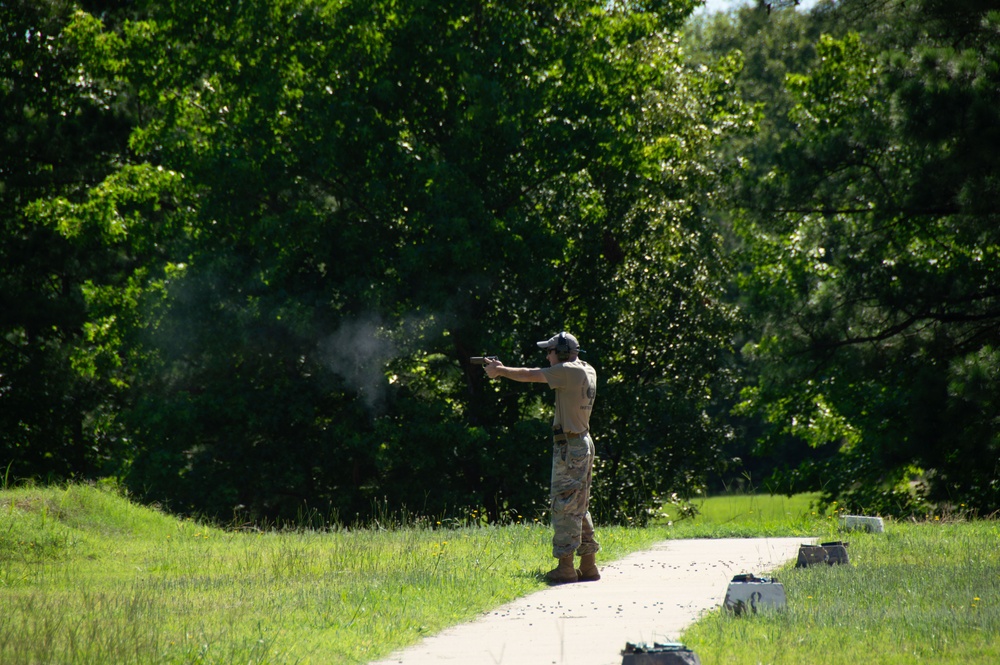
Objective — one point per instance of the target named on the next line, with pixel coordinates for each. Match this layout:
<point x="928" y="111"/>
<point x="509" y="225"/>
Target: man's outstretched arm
<point x="521" y="374"/>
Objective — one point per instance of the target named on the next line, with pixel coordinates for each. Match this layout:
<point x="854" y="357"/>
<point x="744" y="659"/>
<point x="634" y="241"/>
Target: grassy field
<point x="919" y="593"/>
<point x="88" y="577"/>
<point x="754" y="516"/>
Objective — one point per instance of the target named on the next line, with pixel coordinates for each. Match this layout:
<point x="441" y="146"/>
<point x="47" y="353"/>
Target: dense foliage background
<point x="868" y="223"/>
<point x="248" y="248"/>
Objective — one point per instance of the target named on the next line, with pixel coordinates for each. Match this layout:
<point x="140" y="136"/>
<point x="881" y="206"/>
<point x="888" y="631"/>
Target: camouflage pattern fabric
<point x="572" y="468"/>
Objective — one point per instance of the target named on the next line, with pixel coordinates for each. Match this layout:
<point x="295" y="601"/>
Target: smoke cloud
<point x="358" y="352"/>
<point x="360" y="349"/>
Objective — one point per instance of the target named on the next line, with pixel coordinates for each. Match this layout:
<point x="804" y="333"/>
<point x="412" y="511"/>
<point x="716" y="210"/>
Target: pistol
<point x="481" y="360"/>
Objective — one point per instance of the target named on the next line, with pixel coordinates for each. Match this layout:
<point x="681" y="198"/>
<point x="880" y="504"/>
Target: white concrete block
<point x="862" y="523"/>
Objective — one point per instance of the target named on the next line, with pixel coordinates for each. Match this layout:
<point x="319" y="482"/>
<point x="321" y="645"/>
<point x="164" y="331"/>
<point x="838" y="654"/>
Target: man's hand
<point x="493" y="368"/>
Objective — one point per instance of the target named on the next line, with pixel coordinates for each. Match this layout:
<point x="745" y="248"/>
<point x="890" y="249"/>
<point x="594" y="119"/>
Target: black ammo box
<point x="658" y="654"/>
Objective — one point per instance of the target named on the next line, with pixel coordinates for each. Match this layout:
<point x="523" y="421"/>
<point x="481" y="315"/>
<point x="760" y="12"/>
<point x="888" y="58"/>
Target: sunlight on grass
<point x="86" y="576"/>
<point x="926" y="592"/>
<point x="750" y="516"/>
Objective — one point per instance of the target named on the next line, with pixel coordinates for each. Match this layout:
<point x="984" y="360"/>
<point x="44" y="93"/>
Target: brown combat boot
<point x="587" y="572"/>
<point x="563" y="573"/>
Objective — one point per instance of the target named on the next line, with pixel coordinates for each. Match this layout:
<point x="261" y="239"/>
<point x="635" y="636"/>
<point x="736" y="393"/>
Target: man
<point x="575" y="384"/>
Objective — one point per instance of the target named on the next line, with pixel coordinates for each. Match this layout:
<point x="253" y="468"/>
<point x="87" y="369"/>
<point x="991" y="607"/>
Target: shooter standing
<point x="575" y="384"/>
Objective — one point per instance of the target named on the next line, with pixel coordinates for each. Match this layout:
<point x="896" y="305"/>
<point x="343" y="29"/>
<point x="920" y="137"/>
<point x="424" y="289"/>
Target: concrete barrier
<point x="862" y="523"/>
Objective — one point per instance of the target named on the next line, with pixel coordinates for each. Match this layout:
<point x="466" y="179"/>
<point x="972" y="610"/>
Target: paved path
<point x="648" y="596"/>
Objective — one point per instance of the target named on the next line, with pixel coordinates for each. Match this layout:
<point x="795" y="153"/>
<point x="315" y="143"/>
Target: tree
<point x="769" y="43"/>
<point x="870" y="242"/>
<point x="61" y="135"/>
<point x="327" y="207"/>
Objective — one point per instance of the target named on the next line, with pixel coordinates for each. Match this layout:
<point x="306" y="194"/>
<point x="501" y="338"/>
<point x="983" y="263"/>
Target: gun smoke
<point x="358" y="352"/>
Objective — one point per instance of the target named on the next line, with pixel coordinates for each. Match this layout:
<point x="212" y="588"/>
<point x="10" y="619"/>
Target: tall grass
<point x="87" y="577"/>
<point x="926" y="592"/>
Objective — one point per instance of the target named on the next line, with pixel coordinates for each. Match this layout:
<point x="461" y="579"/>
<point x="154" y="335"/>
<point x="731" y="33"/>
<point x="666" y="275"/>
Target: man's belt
<point x="561" y="436"/>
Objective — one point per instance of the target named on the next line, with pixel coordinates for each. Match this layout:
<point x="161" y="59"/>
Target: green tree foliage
<point x="769" y="43"/>
<point x="873" y="242"/>
<point x="61" y="135"/>
<point x="324" y="208"/>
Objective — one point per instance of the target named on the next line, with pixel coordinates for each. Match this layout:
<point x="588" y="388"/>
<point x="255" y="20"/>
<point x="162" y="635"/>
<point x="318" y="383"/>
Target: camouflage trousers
<point x="572" y="469"/>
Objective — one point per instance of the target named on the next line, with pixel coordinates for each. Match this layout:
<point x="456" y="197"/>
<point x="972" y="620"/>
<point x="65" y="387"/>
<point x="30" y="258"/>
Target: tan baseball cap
<point x="562" y="343"/>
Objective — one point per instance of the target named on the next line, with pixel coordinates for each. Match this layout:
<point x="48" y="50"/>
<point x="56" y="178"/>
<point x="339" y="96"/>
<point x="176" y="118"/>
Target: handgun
<point x="481" y="360"/>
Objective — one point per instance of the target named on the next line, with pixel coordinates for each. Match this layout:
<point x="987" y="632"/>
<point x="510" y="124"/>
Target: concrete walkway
<point x="649" y="596"/>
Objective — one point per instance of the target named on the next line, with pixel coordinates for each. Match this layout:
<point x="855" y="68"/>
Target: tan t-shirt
<point x="575" y="383"/>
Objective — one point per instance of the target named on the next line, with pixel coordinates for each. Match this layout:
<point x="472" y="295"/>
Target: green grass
<point x="88" y="577"/>
<point x="752" y="516"/>
<point x="925" y="592"/>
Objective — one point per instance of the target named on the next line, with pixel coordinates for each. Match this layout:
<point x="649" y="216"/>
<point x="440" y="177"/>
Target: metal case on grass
<point x="747" y="594"/>
<point x="829" y="553"/>
<point x="659" y="654"/>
